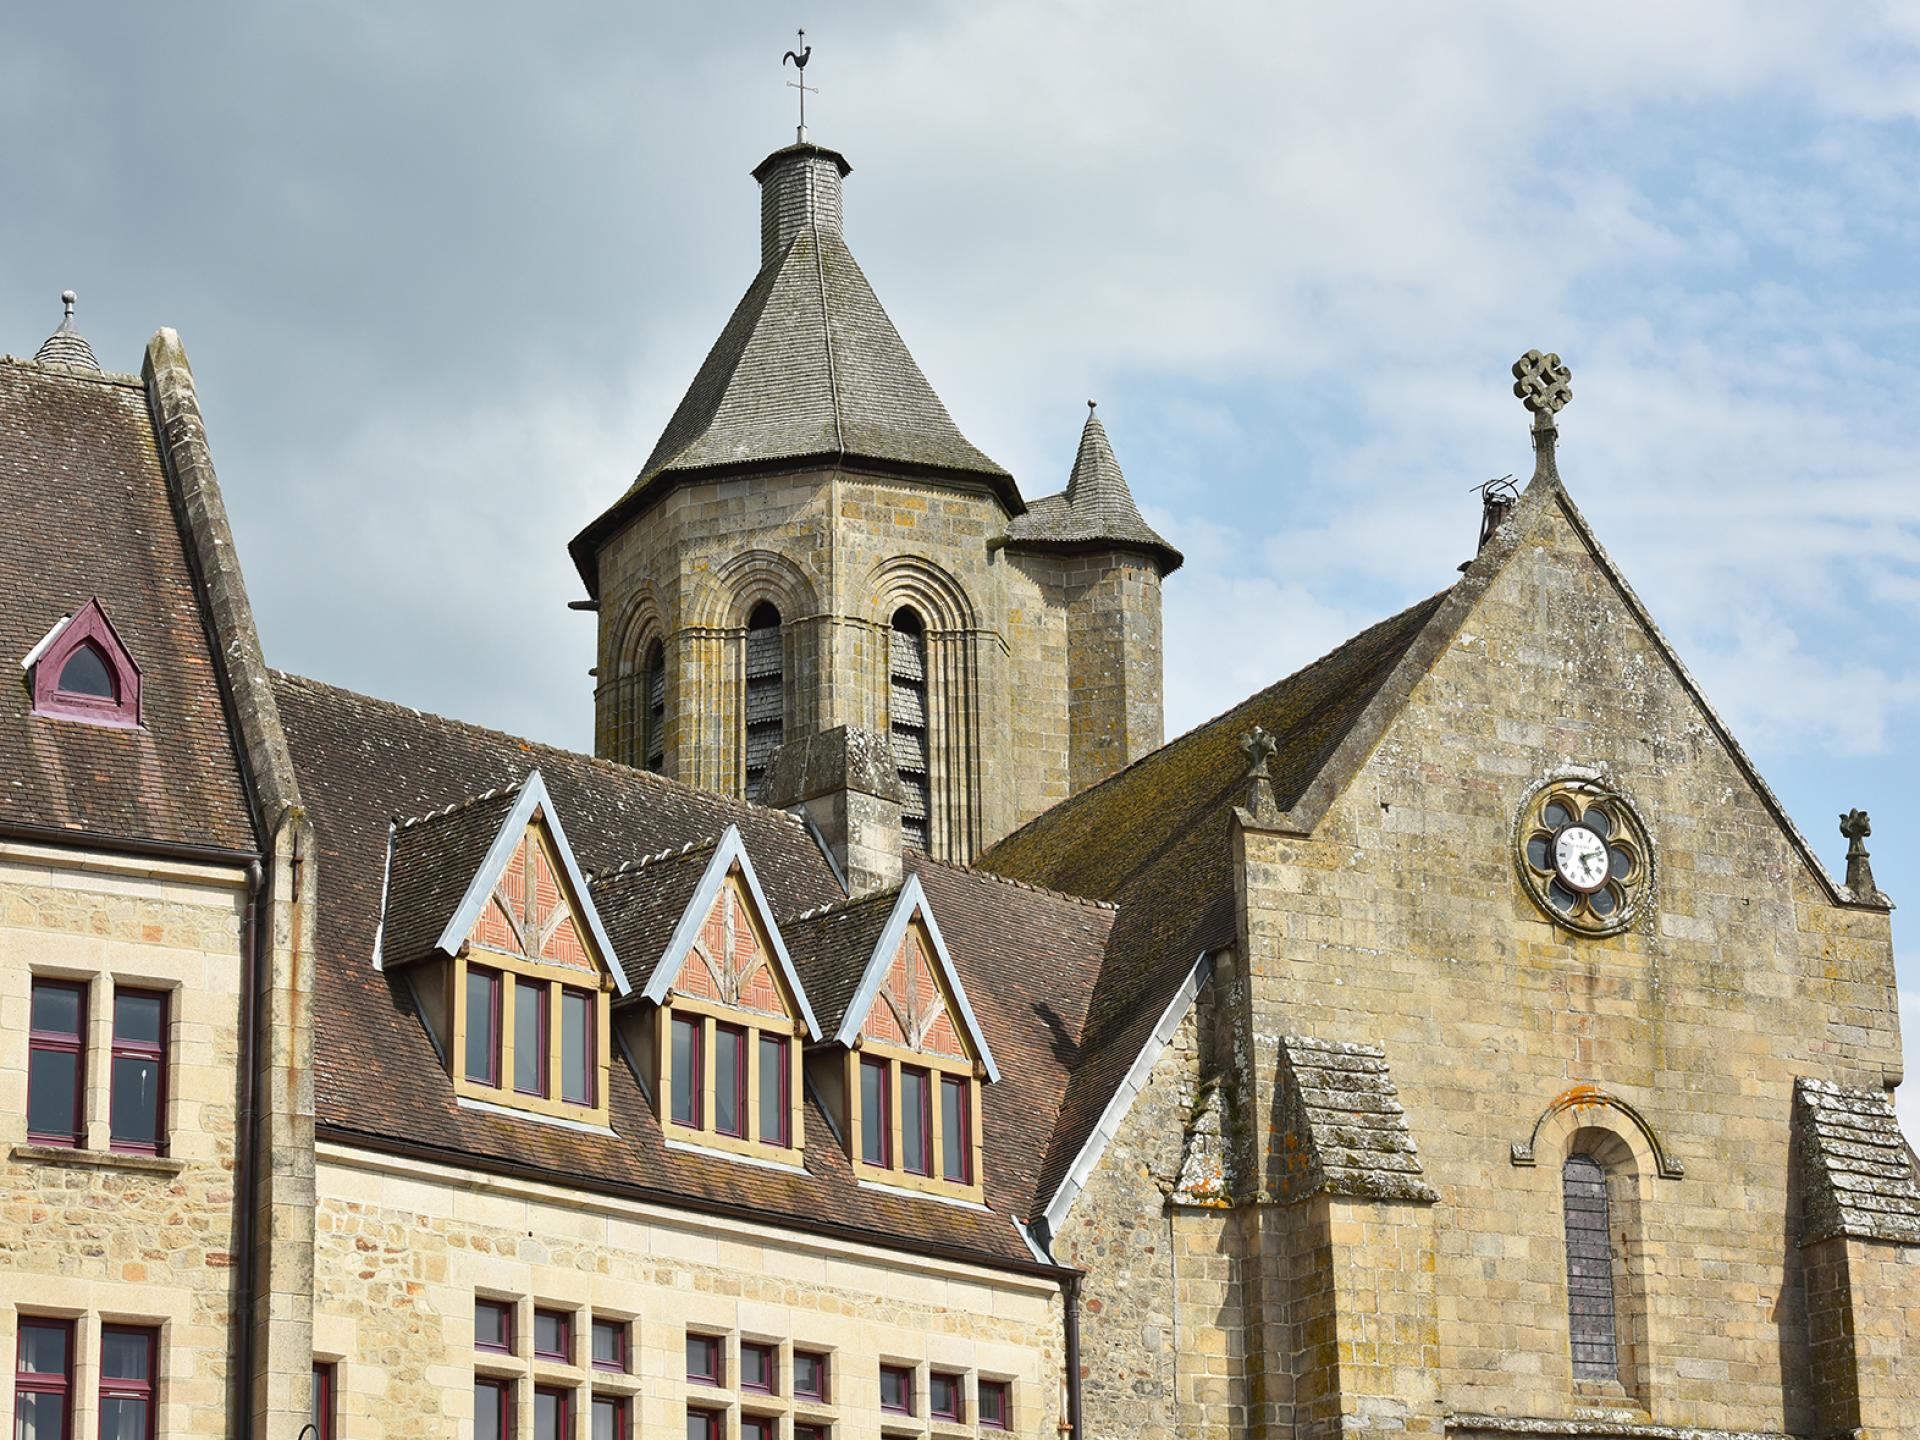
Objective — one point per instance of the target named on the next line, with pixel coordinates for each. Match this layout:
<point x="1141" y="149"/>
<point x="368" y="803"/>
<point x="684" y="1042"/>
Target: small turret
<point x="67" y="346"/>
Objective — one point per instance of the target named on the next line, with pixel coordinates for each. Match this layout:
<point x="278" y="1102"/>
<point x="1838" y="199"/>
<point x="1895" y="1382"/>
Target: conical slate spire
<point x="1096" y="511"/>
<point x="67" y="346"/>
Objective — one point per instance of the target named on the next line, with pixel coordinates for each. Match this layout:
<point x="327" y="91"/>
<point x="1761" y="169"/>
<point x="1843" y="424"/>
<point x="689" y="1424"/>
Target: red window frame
<point x="45" y="1382"/>
<point x="502" y="1403"/>
<point x="60" y="1043"/>
<point x="590" y="1049"/>
<point x="688" y="1108"/>
<point x="619" y="1330"/>
<point x="622" y="1427"/>
<point x="496" y="986"/>
<point x="563" y="1412"/>
<point x="741" y="1099"/>
<point x="122" y="1387"/>
<point x="155" y="1051"/>
<point x="925" y="1078"/>
<point x="956" y="1411"/>
<point x="711" y="1366"/>
<point x="524" y="988"/>
<point x="903" y="1373"/>
<point x="759" y="1427"/>
<point x="869" y="1065"/>
<point x="780" y="1132"/>
<point x="995" y="1405"/>
<point x="805" y="1431"/>
<point x="964" y="1088"/>
<point x="88" y="627"/>
<point x="819" y="1393"/>
<point x="565" y="1353"/>
<point x="769" y="1355"/>
<point x="323" y="1399"/>
<point x="712" y="1423"/>
<point x="504" y="1309"/>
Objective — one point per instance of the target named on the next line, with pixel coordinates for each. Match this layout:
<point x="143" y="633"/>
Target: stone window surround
<point x="96" y="1072"/>
<point x="895" y="1173"/>
<point x="578" y="1378"/>
<point x="728" y="1399"/>
<point x="511" y="968"/>
<point x="754" y="1024"/>
<point x="918" y="1421"/>
<point x="86" y="1329"/>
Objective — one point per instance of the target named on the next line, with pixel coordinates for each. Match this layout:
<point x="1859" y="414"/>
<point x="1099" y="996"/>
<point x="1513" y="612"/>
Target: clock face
<point x="1580" y="859"/>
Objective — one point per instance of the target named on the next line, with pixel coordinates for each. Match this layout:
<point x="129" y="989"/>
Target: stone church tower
<point x="819" y="592"/>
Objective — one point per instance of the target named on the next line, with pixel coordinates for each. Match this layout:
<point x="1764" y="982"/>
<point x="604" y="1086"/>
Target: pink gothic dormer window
<point x="82" y="671"/>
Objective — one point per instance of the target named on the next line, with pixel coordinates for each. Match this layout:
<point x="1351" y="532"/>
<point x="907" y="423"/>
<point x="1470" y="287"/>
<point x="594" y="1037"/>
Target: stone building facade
<point x="1455" y="1038"/>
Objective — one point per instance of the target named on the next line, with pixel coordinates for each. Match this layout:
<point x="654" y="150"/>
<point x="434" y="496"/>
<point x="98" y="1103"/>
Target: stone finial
<point x="68" y="299"/>
<point x="1855" y="827"/>
<point x="1260" y="747"/>
<point x="1544" y="385"/>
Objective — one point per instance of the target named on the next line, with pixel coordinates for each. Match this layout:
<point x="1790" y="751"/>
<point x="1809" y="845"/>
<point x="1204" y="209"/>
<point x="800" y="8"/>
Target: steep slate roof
<point x="67" y="346"/>
<point x="434" y="859"/>
<point x="1860" y="1177"/>
<point x="1025" y="955"/>
<point x="1095" y="511"/>
<point x="1155" y="840"/>
<point x="90" y="513"/>
<point x="1345" y="1115"/>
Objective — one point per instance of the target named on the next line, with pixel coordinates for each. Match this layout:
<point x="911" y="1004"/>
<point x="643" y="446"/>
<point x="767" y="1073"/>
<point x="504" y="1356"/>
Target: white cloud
<point x="1907" y="1097"/>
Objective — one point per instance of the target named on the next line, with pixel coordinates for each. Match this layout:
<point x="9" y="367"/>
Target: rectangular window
<point x="946" y="1395"/>
<point x="775" y="1091"/>
<point x="553" y="1335"/>
<point x="610" y="1345"/>
<point x="996" y="1405"/>
<point x="529" y="1036"/>
<point x="759" y="1368"/>
<point x="483" y="1025"/>
<point x="577" y="1049"/>
<point x="812" y="1432"/>
<point x="492" y="1409"/>
<point x="956" y="1130"/>
<point x="876" y="1139"/>
<point x="687" y="1077"/>
<point x="610" y="1417"/>
<point x="758" y="1427"/>
<point x="493" y="1326"/>
<point x="916" y="1121"/>
<point x="550" y="1413"/>
<point x="896" y="1389"/>
<point x="56" y="1070"/>
<point x="729" y="1080"/>
<point x="810" y="1376"/>
<point x="323" y="1401"/>
<point x="139" y="1070"/>
<point x="127" y="1355"/>
<point x="705" y="1365"/>
<point x="705" y="1424"/>
<point x="43" y="1380"/>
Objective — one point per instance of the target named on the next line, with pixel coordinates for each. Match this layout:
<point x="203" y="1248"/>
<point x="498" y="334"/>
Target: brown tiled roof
<point x="89" y="513"/>
<point x="641" y="902"/>
<point x="1154" y="839"/>
<point x="434" y="860"/>
<point x="1024" y="955"/>
<point x="837" y="942"/>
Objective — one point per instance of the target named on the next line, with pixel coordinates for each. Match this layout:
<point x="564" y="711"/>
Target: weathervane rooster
<point x="799" y="58"/>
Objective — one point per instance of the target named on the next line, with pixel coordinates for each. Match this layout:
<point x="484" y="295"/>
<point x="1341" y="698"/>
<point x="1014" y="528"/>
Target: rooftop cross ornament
<point x="799" y="58"/>
<point x="1854" y="828"/>
<point x="1544" y="385"/>
<point x="1260" y="747"/>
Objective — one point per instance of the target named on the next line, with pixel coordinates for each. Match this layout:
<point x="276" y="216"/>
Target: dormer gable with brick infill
<point x="492" y="922"/>
<point x="723" y="1016"/>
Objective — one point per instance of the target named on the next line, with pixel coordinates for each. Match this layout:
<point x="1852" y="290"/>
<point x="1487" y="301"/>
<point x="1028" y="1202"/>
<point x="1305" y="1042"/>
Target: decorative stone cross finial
<point x="1544" y="385"/>
<point x="1855" y="827"/>
<point x="1260" y="747"/>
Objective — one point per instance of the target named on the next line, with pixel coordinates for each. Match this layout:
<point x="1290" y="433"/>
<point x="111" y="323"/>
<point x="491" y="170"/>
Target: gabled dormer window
<point x="526" y="973"/>
<point x="82" y="671"/>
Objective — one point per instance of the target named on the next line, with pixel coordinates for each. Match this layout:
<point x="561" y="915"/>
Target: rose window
<point x="1584" y="856"/>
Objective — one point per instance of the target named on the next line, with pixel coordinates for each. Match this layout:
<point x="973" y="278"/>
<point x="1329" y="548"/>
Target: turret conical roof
<point x="1095" y="511"/>
<point x="67" y="346"/>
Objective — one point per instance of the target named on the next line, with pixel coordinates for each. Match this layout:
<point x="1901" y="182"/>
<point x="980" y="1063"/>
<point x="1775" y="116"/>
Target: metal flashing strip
<point x="467" y="1102"/>
<point x="1136" y="1080"/>
<point x="713" y="1153"/>
<point x="882" y="1188"/>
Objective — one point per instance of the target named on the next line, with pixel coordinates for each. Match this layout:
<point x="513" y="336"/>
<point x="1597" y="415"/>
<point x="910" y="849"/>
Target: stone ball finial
<point x="1090" y="406"/>
<point x="68" y="298"/>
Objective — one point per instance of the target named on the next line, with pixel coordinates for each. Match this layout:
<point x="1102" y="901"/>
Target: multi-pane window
<point x="529" y="1036"/>
<point x="610" y="1345"/>
<point x="705" y="1424"/>
<point x="916" y="1120"/>
<point x="876" y="1112"/>
<point x="956" y="1129"/>
<point x="689" y="1078"/>
<point x="553" y="1335"/>
<point x="610" y="1418"/>
<point x="996" y="1405"/>
<point x="907" y="718"/>
<point x="550" y="1407"/>
<point x="655" y="679"/>
<point x="492" y="1409"/>
<point x="706" y="1364"/>
<point x="483" y="1025"/>
<point x="776" y="1119"/>
<point x="896" y="1389"/>
<point x="730" y="1080"/>
<point x="56" y="1068"/>
<point x="139" y="1070"/>
<point x="43" y="1380"/>
<point x="1589" y="1269"/>
<point x="127" y="1356"/>
<point x="758" y="1427"/>
<point x="324" y="1405"/>
<point x="766" y="693"/>
<point x="759" y="1368"/>
<point x="810" y="1376"/>
<point x="493" y="1326"/>
<point x="946" y="1395"/>
<point x="518" y="1026"/>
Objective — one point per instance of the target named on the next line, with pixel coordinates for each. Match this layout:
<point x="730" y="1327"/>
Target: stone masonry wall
<point x="404" y="1249"/>
<point x="1400" y="921"/>
<point x="96" y="1236"/>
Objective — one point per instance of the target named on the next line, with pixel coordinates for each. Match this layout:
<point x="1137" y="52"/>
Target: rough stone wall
<point x="1114" y="667"/>
<point x="89" y="1234"/>
<point x="1863" y="1308"/>
<point x="1400" y="921"/>
<point x="403" y="1249"/>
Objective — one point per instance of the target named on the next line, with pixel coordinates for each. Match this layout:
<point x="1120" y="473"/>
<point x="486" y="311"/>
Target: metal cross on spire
<point x="799" y="58"/>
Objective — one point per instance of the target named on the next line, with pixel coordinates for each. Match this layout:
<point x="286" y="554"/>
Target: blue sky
<point x="444" y="270"/>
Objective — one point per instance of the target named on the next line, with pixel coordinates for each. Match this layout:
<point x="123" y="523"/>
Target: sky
<point x="444" y="269"/>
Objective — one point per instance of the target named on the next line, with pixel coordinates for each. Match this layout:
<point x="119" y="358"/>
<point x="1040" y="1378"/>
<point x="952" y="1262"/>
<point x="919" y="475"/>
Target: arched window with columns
<point x="766" y="693"/>
<point x="907" y="719"/>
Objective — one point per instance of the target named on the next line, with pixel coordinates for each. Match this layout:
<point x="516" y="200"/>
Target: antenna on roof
<point x="1497" y="499"/>
<point x="799" y="59"/>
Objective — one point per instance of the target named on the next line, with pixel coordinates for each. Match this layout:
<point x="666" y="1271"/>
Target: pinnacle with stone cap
<point x="1855" y="827"/>
<point x="1260" y="747"/>
<point x="1544" y="385"/>
<point x="67" y="346"/>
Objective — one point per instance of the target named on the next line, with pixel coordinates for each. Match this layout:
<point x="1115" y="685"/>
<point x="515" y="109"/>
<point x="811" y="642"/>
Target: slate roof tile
<point x="1096" y="509"/>
<point x="1861" y="1179"/>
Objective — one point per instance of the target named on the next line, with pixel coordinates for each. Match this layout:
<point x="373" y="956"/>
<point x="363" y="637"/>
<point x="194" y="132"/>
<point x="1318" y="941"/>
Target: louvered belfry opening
<point x="1590" y="1310"/>
<point x="766" y="693"/>
<point x="654" y="677"/>
<point x="907" y="715"/>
